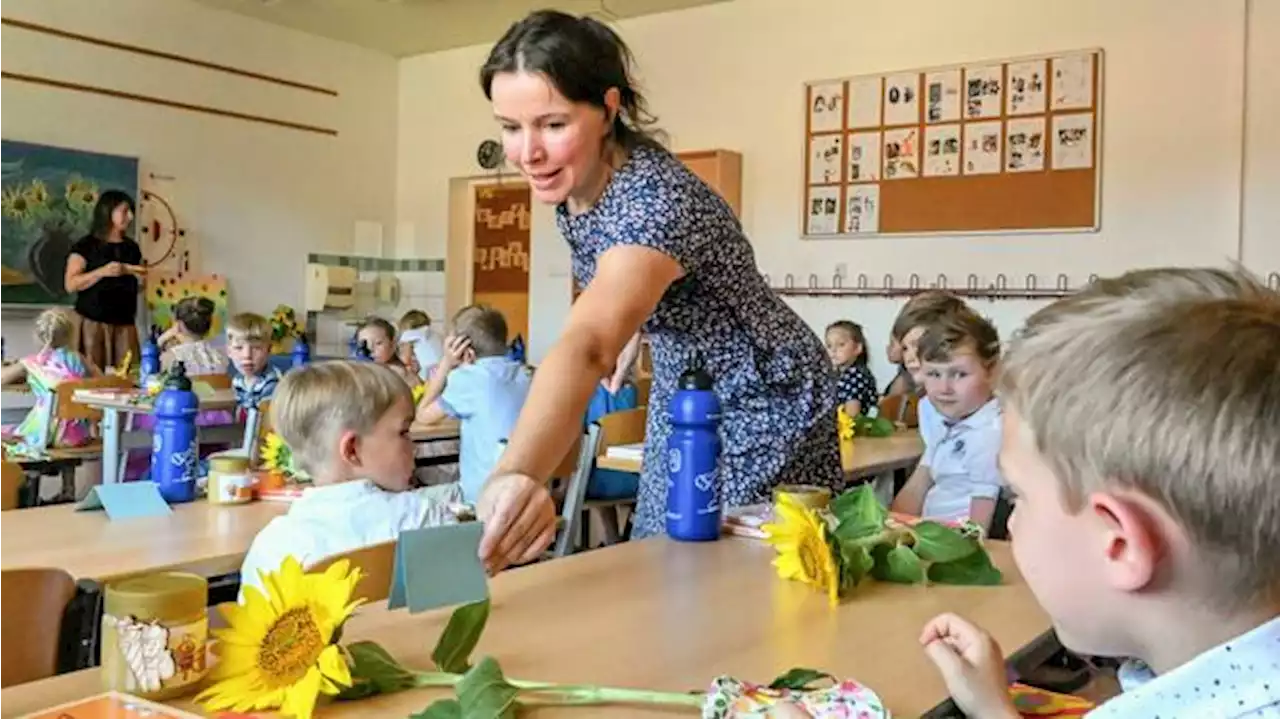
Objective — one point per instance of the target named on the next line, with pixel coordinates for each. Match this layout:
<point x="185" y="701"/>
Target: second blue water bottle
<point x="175" y="444"/>
<point x="693" y="459"/>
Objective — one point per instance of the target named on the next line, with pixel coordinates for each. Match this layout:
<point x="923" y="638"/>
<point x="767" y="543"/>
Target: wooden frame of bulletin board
<point x="999" y="146"/>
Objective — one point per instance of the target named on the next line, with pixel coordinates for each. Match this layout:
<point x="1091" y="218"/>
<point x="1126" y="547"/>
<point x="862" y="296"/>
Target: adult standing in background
<point x="656" y="249"/>
<point x="103" y="270"/>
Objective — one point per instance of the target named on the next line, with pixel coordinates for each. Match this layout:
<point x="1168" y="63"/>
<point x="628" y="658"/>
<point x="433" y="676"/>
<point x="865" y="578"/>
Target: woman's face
<point x="121" y="216"/>
<point x="555" y="143"/>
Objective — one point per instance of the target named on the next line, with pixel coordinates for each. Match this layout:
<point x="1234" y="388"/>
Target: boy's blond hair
<point x="54" y="327"/>
<point x="316" y="403"/>
<point x="414" y="319"/>
<point x="955" y="330"/>
<point x="923" y="310"/>
<point x="1165" y="381"/>
<point x="485" y="327"/>
<point x="249" y="327"/>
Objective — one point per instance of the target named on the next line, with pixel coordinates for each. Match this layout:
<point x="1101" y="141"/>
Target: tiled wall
<point x="422" y="287"/>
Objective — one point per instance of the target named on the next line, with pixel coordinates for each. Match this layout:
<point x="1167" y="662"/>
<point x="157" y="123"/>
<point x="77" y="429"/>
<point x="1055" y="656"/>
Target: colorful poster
<point x="982" y="93"/>
<point x="1073" y="141"/>
<point x="982" y="148"/>
<point x="942" y="96"/>
<point x="1073" y="82"/>
<point x="864" y="102"/>
<point x="901" y="153"/>
<point x="864" y="156"/>
<point x="941" y="150"/>
<point x="164" y="291"/>
<point x="824" y="159"/>
<point x="862" y="214"/>
<point x="1025" y="140"/>
<point x="1027" y="87"/>
<point x="826" y="107"/>
<point x="824" y="211"/>
<point x="902" y="99"/>
<point x="47" y="198"/>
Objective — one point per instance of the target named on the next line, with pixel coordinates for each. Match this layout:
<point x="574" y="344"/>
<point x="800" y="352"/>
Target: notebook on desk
<point x="634" y="452"/>
<point x="112" y="705"/>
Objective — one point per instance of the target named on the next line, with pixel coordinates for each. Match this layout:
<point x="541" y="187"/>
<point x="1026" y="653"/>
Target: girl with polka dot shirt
<point x="847" y="347"/>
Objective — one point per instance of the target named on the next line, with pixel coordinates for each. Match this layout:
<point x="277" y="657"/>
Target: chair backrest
<point x="377" y="563"/>
<point x="66" y="408"/>
<point x="625" y="427"/>
<point x="643" y="386"/>
<point x="215" y="381"/>
<point x="901" y="408"/>
<point x="30" y="634"/>
<point x="12" y="486"/>
<point x="570" y="463"/>
<point x="582" y="461"/>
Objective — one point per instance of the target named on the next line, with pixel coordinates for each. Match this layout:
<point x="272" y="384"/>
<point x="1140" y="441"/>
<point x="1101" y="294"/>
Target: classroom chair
<point x="575" y="473"/>
<point x="30" y="636"/>
<point x="215" y="381"/>
<point x="377" y="563"/>
<point x="625" y="427"/>
<point x="643" y="386"/>
<point x="13" y="481"/>
<point x="901" y="408"/>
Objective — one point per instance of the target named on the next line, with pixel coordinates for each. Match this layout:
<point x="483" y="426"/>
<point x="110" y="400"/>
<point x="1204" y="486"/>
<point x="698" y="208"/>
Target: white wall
<point x="730" y="75"/>
<point x="257" y="198"/>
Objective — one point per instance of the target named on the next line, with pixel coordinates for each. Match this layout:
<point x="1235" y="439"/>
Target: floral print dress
<point x="775" y="383"/>
<point x="45" y="371"/>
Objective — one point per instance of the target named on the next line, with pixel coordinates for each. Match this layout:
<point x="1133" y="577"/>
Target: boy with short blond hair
<point x="347" y="424"/>
<point x="1140" y="432"/>
<point x="249" y="349"/>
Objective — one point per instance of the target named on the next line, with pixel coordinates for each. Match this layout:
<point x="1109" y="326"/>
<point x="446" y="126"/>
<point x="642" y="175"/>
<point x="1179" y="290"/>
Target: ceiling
<point x="411" y="27"/>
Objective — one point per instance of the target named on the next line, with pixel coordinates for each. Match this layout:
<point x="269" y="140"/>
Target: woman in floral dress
<point x="658" y="251"/>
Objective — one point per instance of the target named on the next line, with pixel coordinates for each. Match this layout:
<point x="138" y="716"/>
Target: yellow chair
<point x="376" y="562"/>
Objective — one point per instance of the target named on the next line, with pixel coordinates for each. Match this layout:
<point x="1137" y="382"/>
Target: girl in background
<point x="187" y="340"/>
<point x="425" y="343"/>
<point x="55" y="363"/>
<point x="380" y="337"/>
<point x="847" y="347"/>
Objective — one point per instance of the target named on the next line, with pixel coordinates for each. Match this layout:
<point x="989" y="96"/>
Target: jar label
<point x="232" y="488"/>
<point x="146" y="658"/>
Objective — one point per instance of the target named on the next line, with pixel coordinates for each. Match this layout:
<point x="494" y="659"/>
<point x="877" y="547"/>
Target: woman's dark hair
<point x="855" y="333"/>
<point x="583" y="58"/>
<point x="196" y="314"/>
<point x="107" y="204"/>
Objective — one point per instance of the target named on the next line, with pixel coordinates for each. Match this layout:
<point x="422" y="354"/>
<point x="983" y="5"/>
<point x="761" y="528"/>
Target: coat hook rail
<point x="972" y="289"/>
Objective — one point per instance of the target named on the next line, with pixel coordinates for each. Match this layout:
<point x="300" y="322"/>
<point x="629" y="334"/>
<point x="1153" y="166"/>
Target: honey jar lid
<point x="233" y="460"/>
<point x="161" y="595"/>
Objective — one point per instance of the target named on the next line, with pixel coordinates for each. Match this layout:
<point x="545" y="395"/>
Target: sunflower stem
<point x="570" y="694"/>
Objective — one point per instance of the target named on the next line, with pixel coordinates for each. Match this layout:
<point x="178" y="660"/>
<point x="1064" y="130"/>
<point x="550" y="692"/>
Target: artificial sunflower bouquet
<point x="284" y="325"/>
<point x="277" y="458"/>
<point x="835" y="549"/>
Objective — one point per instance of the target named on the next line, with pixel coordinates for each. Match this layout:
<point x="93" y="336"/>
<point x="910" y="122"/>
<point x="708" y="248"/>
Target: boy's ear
<point x="1135" y="540"/>
<point x="349" y="448"/>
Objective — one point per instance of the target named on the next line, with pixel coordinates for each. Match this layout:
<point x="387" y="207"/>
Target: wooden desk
<point x="871" y="456"/>
<point x="199" y="537"/>
<point x="659" y="615"/>
<point x="442" y="431"/>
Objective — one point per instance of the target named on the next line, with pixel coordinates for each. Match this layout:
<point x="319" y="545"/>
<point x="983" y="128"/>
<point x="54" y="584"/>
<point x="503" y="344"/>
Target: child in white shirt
<point x="424" y="342"/>
<point x="348" y="426"/>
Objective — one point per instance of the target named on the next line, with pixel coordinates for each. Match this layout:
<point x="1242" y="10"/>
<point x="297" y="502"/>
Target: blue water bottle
<point x="363" y="352"/>
<point x="174" y="445"/>
<point x="301" y="351"/>
<point x="693" y="459"/>
<point x="150" y="360"/>
<point x="516" y="351"/>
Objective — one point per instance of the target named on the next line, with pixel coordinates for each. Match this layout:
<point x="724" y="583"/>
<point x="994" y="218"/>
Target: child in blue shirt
<point x="476" y="383"/>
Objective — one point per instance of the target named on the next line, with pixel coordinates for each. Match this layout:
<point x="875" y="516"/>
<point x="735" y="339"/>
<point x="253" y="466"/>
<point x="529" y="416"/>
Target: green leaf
<point x="374" y="671"/>
<point x="939" y="543"/>
<point x="440" y="709"/>
<point x="975" y="570"/>
<point x="858" y="513"/>
<point x="485" y="693"/>
<point x="799" y="679"/>
<point x="460" y="636"/>
<point x="855" y="563"/>
<point x="900" y="565"/>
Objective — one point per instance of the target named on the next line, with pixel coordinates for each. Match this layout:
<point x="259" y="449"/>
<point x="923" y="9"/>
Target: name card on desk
<point x="126" y="500"/>
<point x="438" y="567"/>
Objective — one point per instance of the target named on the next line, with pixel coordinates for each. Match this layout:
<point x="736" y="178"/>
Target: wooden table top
<point x="442" y="430"/>
<point x="200" y="537"/>
<point x="660" y="615"/>
<point x="871" y="455"/>
<point x="127" y="401"/>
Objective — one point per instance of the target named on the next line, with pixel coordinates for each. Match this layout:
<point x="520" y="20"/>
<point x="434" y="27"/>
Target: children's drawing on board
<point x="1027" y="87"/>
<point x="864" y="102"/>
<point x="864" y="157"/>
<point x="826" y="107"/>
<point x="982" y="92"/>
<point x="941" y="150"/>
<point x="942" y="96"/>
<point x="902" y="99"/>
<point x="1073" y="82"/>
<point x="1025" y="144"/>
<point x="824" y="211"/>
<point x="862" y="214"/>
<point x="1073" y="141"/>
<point x="982" y="148"/>
<point x="824" y="159"/>
<point x="901" y="153"/>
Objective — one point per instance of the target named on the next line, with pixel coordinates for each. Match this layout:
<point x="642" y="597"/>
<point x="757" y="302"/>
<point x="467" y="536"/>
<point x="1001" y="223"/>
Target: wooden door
<point x="501" y="256"/>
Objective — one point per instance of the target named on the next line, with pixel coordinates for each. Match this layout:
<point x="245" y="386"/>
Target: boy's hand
<point x="457" y="349"/>
<point x="971" y="664"/>
<point x="519" y="520"/>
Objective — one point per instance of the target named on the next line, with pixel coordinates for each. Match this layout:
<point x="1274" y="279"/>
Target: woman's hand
<point x="519" y="521"/>
<point x="112" y="269"/>
<point x="972" y="666"/>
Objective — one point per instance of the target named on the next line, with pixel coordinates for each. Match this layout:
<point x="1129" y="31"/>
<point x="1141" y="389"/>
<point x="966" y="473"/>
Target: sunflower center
<point x="809" y="559"/>
<point x="291" y="647"/>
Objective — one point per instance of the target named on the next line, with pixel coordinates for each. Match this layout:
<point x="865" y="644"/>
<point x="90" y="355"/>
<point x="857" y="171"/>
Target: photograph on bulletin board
<point x="981" y="146"/>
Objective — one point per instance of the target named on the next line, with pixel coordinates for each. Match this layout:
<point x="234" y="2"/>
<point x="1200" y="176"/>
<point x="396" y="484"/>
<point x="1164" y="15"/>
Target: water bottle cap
<point x="696" y="378"/>
<point x="178" y="378"/>
<point x="299" y="341"/>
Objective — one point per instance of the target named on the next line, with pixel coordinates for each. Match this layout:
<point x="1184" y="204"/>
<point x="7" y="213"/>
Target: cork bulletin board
<point x="998" y="146"/>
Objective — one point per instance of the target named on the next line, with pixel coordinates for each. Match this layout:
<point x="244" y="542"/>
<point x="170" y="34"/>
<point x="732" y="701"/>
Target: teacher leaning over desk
<point x="657" y="250"/>
<point x="103" y="270"/>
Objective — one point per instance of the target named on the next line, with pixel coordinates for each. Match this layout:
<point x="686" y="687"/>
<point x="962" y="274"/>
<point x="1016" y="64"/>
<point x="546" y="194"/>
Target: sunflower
<point x="278" y="651"/>
<point x="37" y="193"/>
<point x="81" y="191"/>
<point x="804" y="554"/>
<point x="14" y="203"/>
<point x="845" y="424"/>
<point x="276" y="455"/>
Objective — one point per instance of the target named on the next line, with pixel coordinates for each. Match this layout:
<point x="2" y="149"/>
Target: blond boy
<point x="348" y="426"/>
<point x="249" y="348"/>
<point x="1140" y="433"/>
